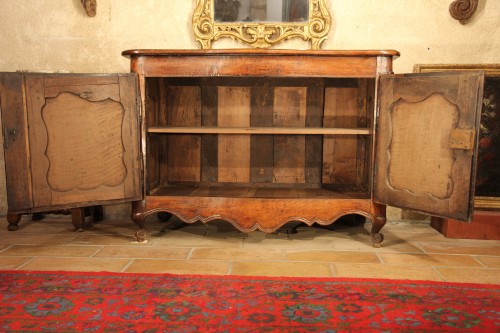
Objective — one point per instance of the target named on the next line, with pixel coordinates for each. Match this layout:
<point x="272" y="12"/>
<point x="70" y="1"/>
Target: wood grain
<point x="340" y="152"/>
<point x="234" y="150"/>
<point x="184" y="151"/>
<point x="290" y="106"/>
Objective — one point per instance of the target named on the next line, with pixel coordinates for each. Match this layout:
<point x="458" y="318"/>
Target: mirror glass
<point x="261" y="10"/>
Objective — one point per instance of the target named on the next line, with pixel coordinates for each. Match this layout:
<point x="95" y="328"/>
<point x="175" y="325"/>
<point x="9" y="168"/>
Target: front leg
<point x="379" y="220"/>
<point x="140" y="220"/>
<point x="78" y="218"/>
<point x="13" y="220"/>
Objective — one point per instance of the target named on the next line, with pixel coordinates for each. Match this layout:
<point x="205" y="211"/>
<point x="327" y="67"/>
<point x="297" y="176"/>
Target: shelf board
<point x="256" y="191"/>
<point x="259" y="130"/>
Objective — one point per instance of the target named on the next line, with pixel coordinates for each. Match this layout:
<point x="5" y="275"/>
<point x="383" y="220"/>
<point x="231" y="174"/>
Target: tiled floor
<point x="409" y="251"/>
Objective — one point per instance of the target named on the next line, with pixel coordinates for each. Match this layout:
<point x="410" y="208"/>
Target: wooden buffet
<point x="254" y="137"/>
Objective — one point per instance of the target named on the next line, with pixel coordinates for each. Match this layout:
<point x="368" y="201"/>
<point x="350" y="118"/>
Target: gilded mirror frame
<point x="261" y="34"/>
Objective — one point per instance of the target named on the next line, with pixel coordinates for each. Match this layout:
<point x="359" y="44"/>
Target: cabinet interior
<point x="259" y="136"/>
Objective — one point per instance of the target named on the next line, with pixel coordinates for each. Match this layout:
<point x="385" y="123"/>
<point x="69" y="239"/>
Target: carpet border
<point x="262" y="278"/>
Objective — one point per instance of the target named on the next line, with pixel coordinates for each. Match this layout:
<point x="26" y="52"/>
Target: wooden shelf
<point x="255" y="191"/>
<point x="259" y="130"/>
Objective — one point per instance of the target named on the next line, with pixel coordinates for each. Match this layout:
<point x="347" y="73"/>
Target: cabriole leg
<point x="139" y="220"/>
<point x="379" y="220"/>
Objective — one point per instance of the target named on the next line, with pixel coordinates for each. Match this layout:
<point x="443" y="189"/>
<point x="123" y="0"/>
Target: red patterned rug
<point x="115" y="302"/>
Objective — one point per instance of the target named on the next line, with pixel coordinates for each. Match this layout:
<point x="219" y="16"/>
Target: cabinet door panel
<point x="426" y="134"/>
<point x="84" y="139"/>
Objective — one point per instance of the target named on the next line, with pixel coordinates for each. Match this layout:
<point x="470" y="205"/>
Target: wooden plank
<point x="70" y="80"/>
<point x="366" y="106"/>
<point x="90" y="87"/>
<point x="314" y="143"/>
<point x="290" y="105"/>
<point x="153" y="142"/>
<point x="234" y="150"/>
<point x="95" y="92"/>
<point x="161" y="118"/>
<point x="209" y="143"/>
<point x="262" y="146"/>
<point x="339" y="153"/>
<point x="295" y="65"/>
<point x="38" y="139"/>
<point x="16" y="147"/>
<point x="131" y="137"/>
<point x="184" y="109"/>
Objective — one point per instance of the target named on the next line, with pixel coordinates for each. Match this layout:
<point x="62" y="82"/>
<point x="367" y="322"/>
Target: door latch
<point x="462" y="138"/>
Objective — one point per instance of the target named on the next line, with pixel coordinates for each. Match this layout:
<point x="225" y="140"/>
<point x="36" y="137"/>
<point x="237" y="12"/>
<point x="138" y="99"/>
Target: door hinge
<point x="462" y="138"/>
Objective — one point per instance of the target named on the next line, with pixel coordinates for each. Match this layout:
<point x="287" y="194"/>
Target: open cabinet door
<point x="72" y="140"/>
<point x="427" y="132"/>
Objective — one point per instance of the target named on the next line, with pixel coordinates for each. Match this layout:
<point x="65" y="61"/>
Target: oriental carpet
<point x="121" y="302"/>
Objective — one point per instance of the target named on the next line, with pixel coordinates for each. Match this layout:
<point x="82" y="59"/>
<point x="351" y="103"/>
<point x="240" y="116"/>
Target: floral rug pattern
<point x="119" y="302"/>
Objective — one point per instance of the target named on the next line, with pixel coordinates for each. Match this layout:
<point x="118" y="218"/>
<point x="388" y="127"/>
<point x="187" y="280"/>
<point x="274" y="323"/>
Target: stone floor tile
<point x="365" y="244"/>
<point x="106" y="239"/>
<point x="430" y="260"/>
<point x="7" y="263"/>
<point x="77" y="264"/>
<point x="332" y="256"/>
<point x="178" y="267"/>
<point x="219" y="248"/>
<point x="490" y="262"/>
<point x="476" y="248"/>
<point x="231" y="254"/>
<point x="143" y="252"/>
<point x="47" y="250"/>
<point x="380" y="271"/>
<point x="37" y="239"/>
<point x="486" y="275"/>
<point x="290" y="269"/>
<point x="287" y="243"/>
<point x="188" y="240"/>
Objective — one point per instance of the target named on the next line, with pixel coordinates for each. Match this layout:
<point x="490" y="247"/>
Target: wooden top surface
<point x="257" y="52"/>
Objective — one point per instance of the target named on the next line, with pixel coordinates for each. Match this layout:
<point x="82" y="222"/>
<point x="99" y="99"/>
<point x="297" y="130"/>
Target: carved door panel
<point x="426" y="137"/>
<point x="77" y="140"/>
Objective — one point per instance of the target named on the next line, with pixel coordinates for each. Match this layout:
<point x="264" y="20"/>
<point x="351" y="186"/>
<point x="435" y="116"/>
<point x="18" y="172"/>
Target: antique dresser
<point x="254" y="137"/>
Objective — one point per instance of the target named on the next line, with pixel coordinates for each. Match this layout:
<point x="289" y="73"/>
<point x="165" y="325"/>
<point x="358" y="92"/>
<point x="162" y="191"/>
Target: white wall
<point x="57" y="36"/>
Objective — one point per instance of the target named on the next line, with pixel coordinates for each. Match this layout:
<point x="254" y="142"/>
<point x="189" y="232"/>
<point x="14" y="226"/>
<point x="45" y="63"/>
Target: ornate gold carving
<point x="463" y="10"/>
<point x="261" y="35"/>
